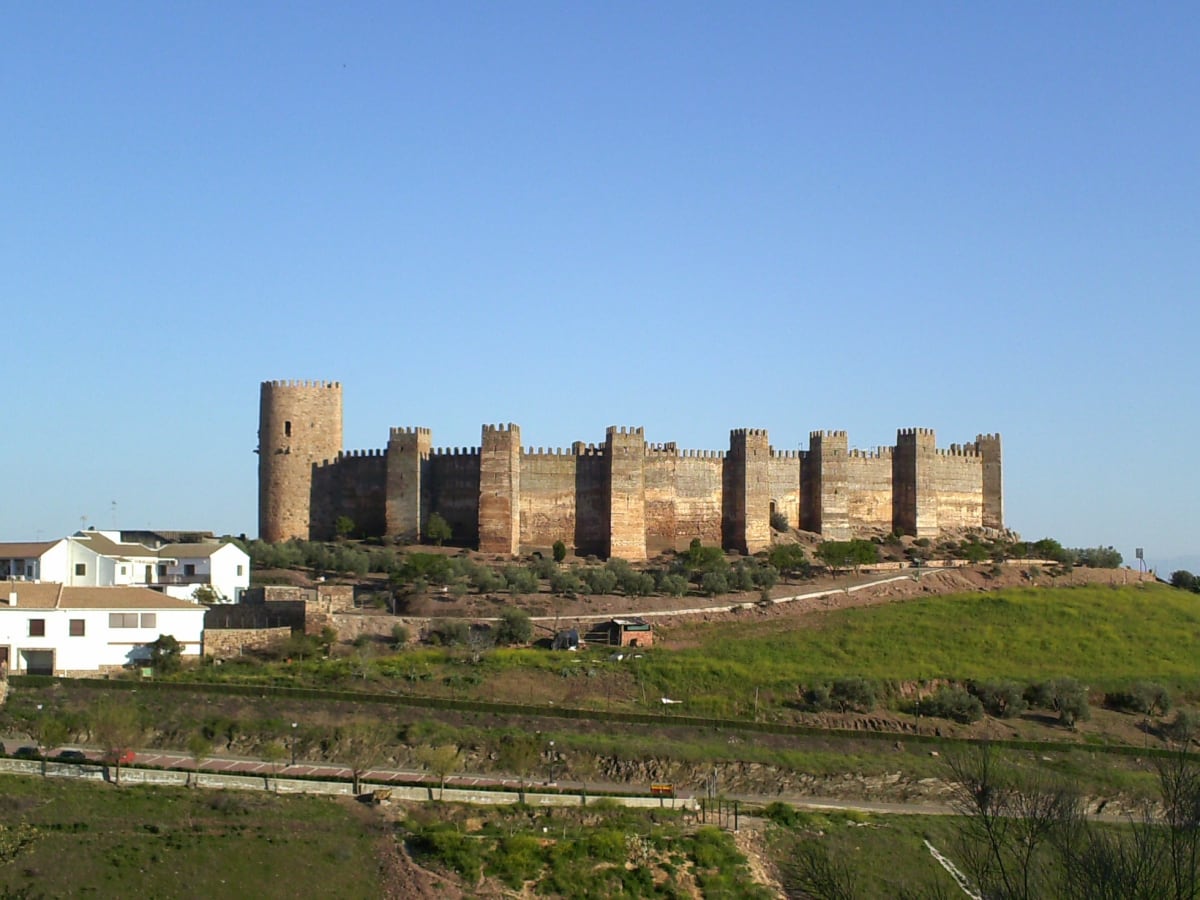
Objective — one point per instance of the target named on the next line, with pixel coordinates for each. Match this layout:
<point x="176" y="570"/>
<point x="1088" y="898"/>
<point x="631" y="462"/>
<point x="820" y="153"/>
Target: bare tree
<point x="360" y="746"/>
<point x="116" y="728"/>
<point x="441" y="760"/>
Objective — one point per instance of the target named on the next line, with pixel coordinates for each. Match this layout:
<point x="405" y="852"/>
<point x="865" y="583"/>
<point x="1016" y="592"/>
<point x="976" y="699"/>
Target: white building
<point x="56" y="629"/>
<point x="95" y="558"/>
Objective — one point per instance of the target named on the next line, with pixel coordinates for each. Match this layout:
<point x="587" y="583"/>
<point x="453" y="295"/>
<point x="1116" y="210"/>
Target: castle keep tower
<point x="825" y="490"/>
<point x="988" y="446"/>
<point x="299" y="425"/>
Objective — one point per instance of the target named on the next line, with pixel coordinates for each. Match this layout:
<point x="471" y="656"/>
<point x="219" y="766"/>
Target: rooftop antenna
<point x="114" y="515"/>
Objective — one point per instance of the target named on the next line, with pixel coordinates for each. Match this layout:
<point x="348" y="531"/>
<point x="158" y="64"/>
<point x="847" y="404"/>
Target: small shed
<point x="630" y="633"/>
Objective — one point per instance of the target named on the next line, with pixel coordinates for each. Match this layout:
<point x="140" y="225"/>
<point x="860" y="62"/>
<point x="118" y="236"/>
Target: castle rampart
<point x="624" y="497"/>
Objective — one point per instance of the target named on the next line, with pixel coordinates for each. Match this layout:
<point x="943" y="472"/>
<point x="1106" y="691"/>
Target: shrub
<point x="790" y="559"/>
<point x="1183" y="727"/>
<point x="1066" y="696"/>
<point x="599" y="580"/>
<point x="565" y="582"/>
<point x="543" y="568"/>
<point x="852" y="693"/>
<point x="779" y="521"/>
<point x="520" y="581"/>
<point x="399" y="635"/>
<point x="741" y="578"/>
<point x="954" y="703"/>
<point x="438" y="530"/>
<point x="486" y="580"/>
<point x="560" y="551"/>
<point x="516" y="859"/>
<point x="766" y="577"/>
<point x="713" y="583"/>
<point x="782" y="814"/>
<point x="1002" y="699"/>
<point x="449" y="633"/>
<point x="515" y="627"/>
<point x="1145" y="697"/>
<point x="673" y="585"/>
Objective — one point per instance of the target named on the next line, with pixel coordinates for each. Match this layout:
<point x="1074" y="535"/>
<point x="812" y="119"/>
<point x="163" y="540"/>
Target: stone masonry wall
<point x="869" y="477"/>
<point x="454" y="485"/>
<point x="548" y="498"/>
<point x="785" y="485"/>
<point x="500" y="490"/>
<point x="958" y="476"/>
<point x="353" y="486"/>
<point x="228" y="643"/>
<point x="626" y="453"/>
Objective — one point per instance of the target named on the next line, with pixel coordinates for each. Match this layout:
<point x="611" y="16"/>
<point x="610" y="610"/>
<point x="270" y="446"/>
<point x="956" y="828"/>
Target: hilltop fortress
<point x="623" y="497"/>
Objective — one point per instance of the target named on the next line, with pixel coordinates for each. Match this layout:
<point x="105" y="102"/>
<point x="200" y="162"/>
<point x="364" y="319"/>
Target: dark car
<point x="71" y="756"/>
<point x="28" y="753"/>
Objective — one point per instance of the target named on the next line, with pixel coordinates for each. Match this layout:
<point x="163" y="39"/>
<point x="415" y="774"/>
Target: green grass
<point x="63" y="838"/>
<point x="1103" y="636"/>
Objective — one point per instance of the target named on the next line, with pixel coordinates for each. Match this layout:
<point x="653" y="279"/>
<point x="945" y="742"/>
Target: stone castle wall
<point x="623" y="497"/>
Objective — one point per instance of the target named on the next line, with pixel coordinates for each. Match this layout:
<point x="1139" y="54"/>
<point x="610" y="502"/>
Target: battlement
<point x="817" y="435"/>
<point x="454" y="451"/>
<point x="547" y="451"/>
<point x="912" y="432"/>
<point x="877" y="453"/>
<point x="987" y="437"/>
<point x="500" y="428"/>
<point x="302" y="383"/>
<point x="579" y="448"/>
<point x="632" y="431"/>
<point x="959" y="450"/>
<point x="668" y="448"/>
<point x="786" y="454"/>
<point x="397" y="432"/>
<point x="356" y="454"/>
<point x="748" y="432"/>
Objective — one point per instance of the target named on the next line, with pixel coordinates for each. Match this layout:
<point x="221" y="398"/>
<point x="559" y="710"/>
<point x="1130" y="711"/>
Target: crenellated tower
<point x="625" y="451"/>
<point x="746" y="517"/>
<point x="914" y="484"/>
<point x="500" y="490"/>
<point x="299" y="426"/>
<point x="407" y="492"/>
<point x="988" y="446"/>
<point x="825" y="485"/>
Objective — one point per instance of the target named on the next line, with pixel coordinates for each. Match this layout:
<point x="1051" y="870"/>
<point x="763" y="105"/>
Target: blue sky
<point x="692" y="217"/>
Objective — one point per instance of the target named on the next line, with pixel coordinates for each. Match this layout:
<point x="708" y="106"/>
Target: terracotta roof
<point x="28" y="550"/>
<point x="47" y="595"/>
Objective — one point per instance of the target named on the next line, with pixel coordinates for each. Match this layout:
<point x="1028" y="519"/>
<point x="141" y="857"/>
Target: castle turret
<point x="914" y="483"/>
<point x="407" y="494"/>
<point x="746" y="518"/>
<point x="299" y="425"/>
<point x="988" y="446"/>
<point x="625" y="450"/>
<point x="500" y="490"/>
<point x="825" y="485"/>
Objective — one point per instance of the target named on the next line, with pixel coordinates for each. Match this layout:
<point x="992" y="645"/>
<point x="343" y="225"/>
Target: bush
<point x="1185" y="580"/>
<point x="852" y="694"/>
<point x="1002" y="699"/>
<point x="1183" y="727"/>
<point x="560" y="551"/>
<point x="520" y="581"/>
<point x="1066" y="696"/>
<point x="779" y="521"/>
<point x="599" y="580"/>
<point x="1145" y="697"/>
<point x="672" y="585"/>
<point x="438" y="530"/>
<point x="954" y="703"/>
<point x="782" y="814"/>
<point x="565" y="582"/>
<point x="399" y="635"/>
<point x="449" y="633"/>
<point x="713" y="583"/>
<point x="486" y="580"/>
<point x="790" y="559"/>
<point x="515" y="627"/>
<point x="1099" y="557"/>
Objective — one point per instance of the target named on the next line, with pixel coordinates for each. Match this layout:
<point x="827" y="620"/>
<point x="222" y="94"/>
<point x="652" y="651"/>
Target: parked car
<point x="71" y="756"/>
<point x="28" y="753"/>
<point x="124" y="758"/>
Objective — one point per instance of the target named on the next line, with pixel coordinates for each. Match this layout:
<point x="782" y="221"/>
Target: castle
<point x="623" y="498"/>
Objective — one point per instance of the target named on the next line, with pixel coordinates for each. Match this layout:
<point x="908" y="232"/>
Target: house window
<point x="37" y="627"/>
<point x="149" y="620"/>
<point x="162" y="570"/>
<point x="122" y="570"/>
<point x="80" y="568"/>
<point x="77" y="628"/>
<point x="239" y="570"/>
<point x="189" y="568"/>
<point x="122" y="620"/>
<point x="287" y="429"/>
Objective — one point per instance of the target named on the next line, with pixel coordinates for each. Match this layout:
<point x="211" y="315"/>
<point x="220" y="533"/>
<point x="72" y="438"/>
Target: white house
<point x="95" y="558"/>
<point x="56" y="629"/>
